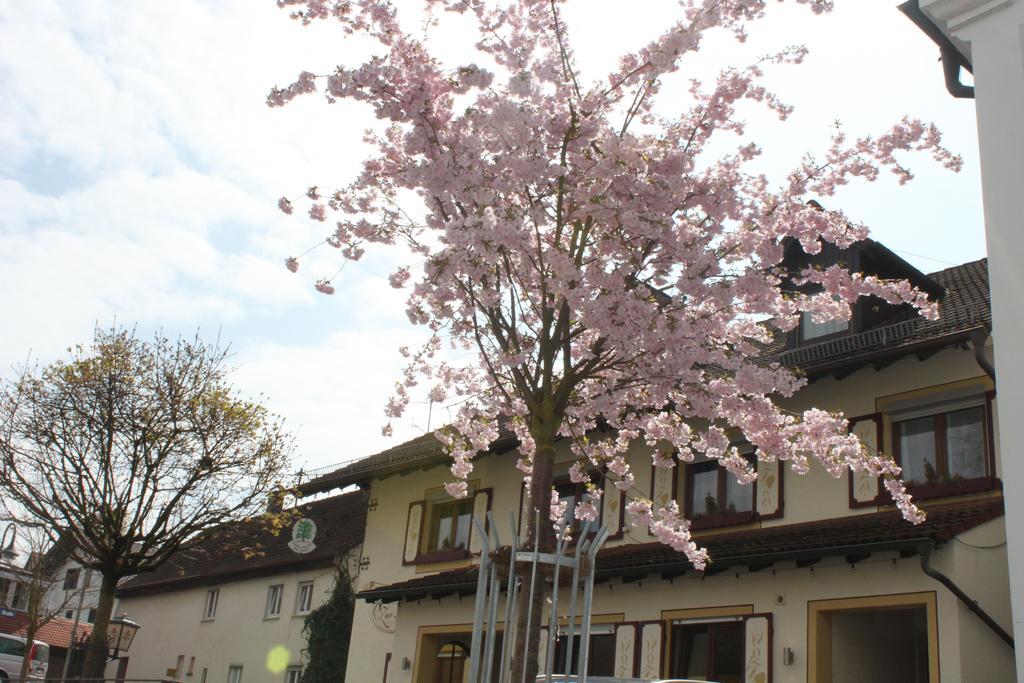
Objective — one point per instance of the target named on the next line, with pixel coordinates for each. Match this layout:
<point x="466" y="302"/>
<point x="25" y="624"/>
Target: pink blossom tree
<point x="616" y="278"/>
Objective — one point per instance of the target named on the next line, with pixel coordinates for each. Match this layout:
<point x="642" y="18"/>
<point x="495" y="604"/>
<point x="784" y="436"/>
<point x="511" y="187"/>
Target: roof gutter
<point x="952" y="59"/>
<point x="468" y="583"/>
<point x="925" y="551"/>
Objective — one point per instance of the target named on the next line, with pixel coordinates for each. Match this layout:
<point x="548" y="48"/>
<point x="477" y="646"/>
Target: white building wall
<point x="993" y="31"/>
<point x="172" y="626"/>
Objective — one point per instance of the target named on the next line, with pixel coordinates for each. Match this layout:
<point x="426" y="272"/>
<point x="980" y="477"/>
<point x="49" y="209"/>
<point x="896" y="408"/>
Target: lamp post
<point x="120" y="634"/>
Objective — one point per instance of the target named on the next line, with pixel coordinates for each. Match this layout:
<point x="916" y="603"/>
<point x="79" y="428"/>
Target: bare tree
<point x="130" y="451"/>
<point x="40" y="576"/>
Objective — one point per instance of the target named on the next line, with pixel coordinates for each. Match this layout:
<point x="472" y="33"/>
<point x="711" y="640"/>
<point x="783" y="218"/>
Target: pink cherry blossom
<point x="616" y="272"/>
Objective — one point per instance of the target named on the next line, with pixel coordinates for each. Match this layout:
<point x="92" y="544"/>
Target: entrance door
<point x="883" y="639"/>
<point x="451" y="663"/>
<point x="709" y="651"/>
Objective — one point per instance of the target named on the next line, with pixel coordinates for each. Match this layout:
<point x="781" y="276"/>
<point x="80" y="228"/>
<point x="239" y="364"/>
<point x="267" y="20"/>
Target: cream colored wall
<point x="814" y="496"/>
<point x="882" y="574"/>
<point x="171" y="624"/>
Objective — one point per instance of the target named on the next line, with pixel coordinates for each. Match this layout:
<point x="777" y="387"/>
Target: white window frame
<point x="275" y="595"/>
<point x="210" y="606"/>
<point x="305" y="588"/>
<point x="293" y="670"/>
<point x="232" y="677"/>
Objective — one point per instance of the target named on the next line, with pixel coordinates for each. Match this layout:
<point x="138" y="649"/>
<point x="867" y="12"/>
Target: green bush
<point x="327" y="630"/>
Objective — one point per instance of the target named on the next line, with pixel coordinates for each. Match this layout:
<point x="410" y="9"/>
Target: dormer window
<point x="811" y="331"/>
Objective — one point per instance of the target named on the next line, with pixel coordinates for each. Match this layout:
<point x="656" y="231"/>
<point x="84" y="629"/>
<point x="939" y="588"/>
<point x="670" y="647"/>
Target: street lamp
<point x="120" y="634"/>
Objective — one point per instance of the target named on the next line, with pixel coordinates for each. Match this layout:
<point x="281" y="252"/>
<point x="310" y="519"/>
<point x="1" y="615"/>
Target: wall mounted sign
<point x="303" y="534"/>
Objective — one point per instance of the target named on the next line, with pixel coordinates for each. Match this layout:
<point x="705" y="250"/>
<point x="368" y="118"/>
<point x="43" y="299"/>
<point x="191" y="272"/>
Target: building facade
<point x="812" y="578"/>
<point x="988" y="37"/>
<point x="233" y="610"/>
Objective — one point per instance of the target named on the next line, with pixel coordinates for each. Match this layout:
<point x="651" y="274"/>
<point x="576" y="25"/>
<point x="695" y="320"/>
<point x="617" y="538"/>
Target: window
<point x="810" y="330"/>
<point x="5" y="590"/>
<point x="274" y="594"/>
<point x="714" y="497"/>
<point x="202" y="676"/>
<point x="11" y="646"/>
<point x="69" y="614"/>
<point x="293" y="674"/>
<point x="943" y="449"/>
<point x="71" y="579"/>
<point x="235" y="673"/>
<point x="449" y="526"/>
<point x="20" y="596"/>
<point x="304" y="600"/>
<point x="92" y="616"/>
<point x="572" y="495"/>
<point x="210" y="610"/>
<point x="710" y="651"/>
<point x="601" y="657"/>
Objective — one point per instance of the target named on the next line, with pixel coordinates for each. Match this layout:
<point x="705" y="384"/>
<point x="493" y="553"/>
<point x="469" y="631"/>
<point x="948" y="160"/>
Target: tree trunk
<point x="96" y="655"/>
<point x="530" y="606"/>
<point x="26" y="661"/>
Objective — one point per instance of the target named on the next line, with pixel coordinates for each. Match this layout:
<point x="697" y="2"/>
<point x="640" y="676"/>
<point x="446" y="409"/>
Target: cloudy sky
<point x="140" y="168"/>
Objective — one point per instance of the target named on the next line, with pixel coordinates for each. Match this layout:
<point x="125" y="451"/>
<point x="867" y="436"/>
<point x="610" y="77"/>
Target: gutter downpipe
<point x="925" y="551"/>
<point x="952" y="60"/>
<point x="979" y="338"/>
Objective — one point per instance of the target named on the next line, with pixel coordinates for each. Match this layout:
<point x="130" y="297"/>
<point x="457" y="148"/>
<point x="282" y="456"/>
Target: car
<point x="573" y="678"/>
<point x="12" y="651"/>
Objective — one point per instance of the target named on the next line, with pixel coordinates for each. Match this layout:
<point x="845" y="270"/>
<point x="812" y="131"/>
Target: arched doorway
<point x="451" y="663"/>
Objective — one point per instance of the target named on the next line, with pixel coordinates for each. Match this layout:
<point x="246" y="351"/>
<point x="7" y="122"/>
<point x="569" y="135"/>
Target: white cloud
<point x="139" y="169"/>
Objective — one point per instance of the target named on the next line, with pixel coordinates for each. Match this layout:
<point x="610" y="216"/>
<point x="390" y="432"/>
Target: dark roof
<point x="56" y="633"/>
<point x="423" y="451"/>
<point x="251" y="548"/>
<point x="964" y="309"/>
<point x="854" y="537"/>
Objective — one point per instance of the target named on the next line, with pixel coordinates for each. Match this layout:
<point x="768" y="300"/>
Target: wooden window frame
<point x="712" y="627"/>
<point x="426" y="554"/>
<point x="722" y="518"/>
<point x="422" y="556"/>
<point x="944" y="488"/>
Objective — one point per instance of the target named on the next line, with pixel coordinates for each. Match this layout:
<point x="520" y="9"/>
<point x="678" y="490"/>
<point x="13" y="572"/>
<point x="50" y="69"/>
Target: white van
<point x="13" y="650"/>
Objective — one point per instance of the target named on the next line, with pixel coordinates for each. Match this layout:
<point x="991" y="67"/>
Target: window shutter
<point x="650" y="650"/>
<point x="625" y="648"/>
<point x="769" y="489"/>
<point x="758" y="665"/>
<point x="413" y="530"/>
<point x="663" y="488"/>
<point x="611" y="508"/>
<point x="864" y="489"/>
<point x="481" y="504"/>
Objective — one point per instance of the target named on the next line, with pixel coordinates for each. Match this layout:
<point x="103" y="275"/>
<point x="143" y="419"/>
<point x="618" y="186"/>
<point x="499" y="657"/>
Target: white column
<point x="994" y="32"/>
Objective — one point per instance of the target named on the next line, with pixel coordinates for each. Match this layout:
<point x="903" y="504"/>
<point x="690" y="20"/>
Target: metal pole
<point x="553" y="618"/>
<point x="492" y="615"/>
<point x="588" y="599"/>
<point x="567" y="660"/>
<point x="478" y="608"/>
<point x="510" y="596"/>
<point x="533" y="583"/>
